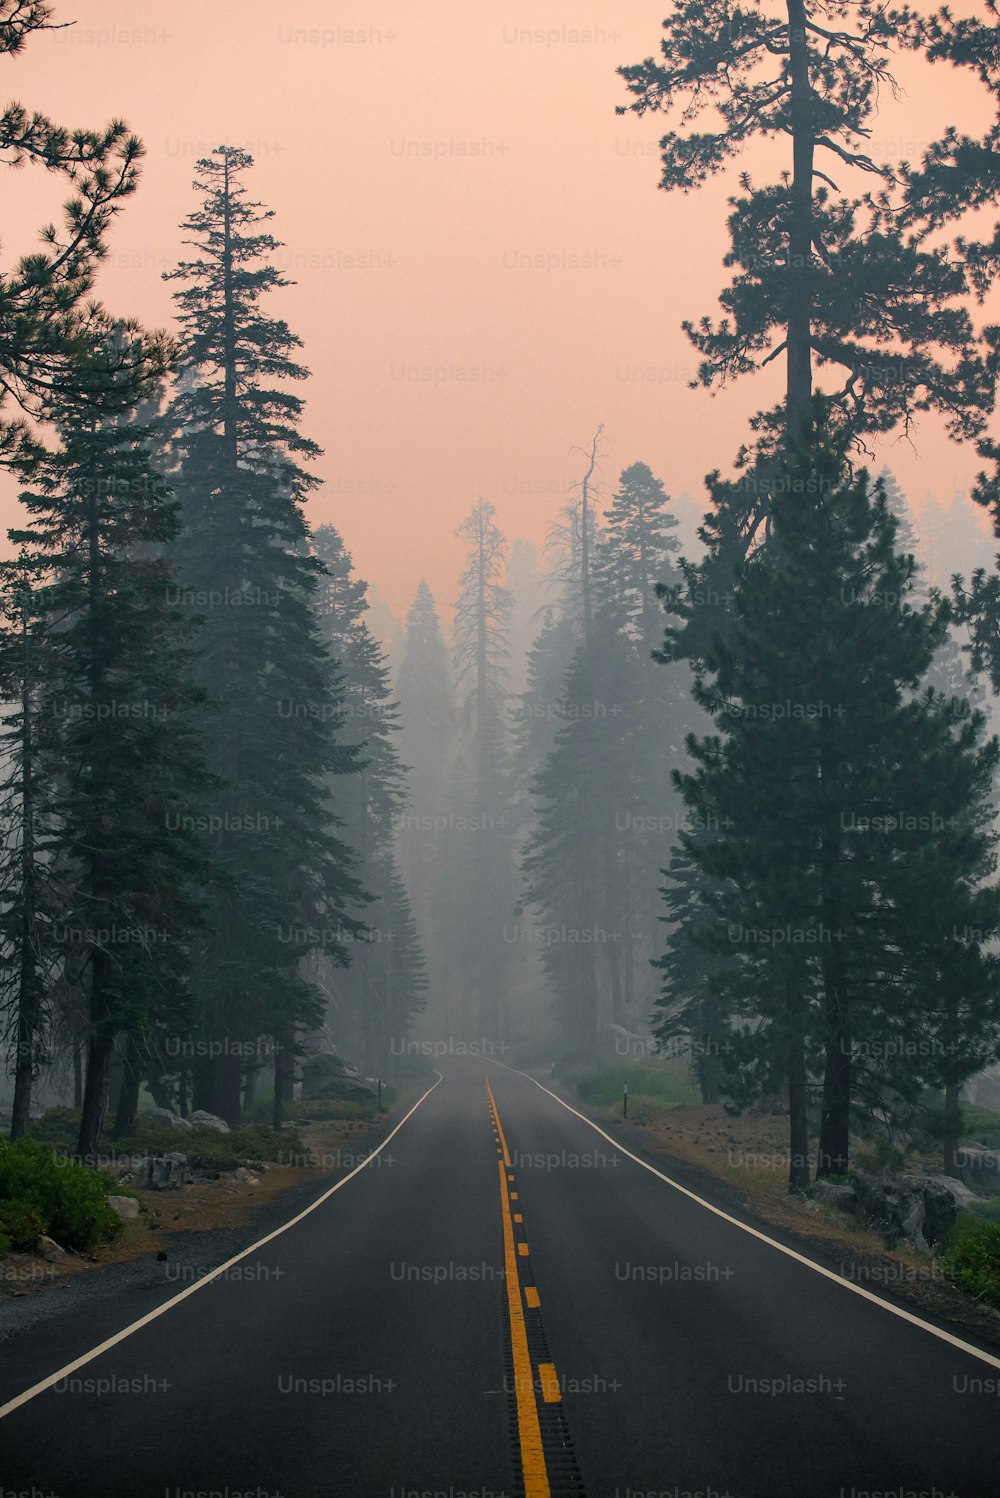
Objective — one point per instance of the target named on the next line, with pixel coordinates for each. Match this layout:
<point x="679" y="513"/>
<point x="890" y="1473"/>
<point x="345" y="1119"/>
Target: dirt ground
<point x="212" y="1200"/>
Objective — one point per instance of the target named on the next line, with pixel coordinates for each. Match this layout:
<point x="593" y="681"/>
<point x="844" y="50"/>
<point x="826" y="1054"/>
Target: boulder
<point x="326" y="1076"/>
<point x="49" y="1250"/>
<point x="242" y="1174"/>
<point x="162" y="1118"/>
<point x="202" y="1120"/>
<point x="959" y="1191"/>
<point x="917" y="1210"/>
<point x="125" y="1206"/>
<point x="983" y="1091"/>
<point x="979" y="1168"/>
<point x="842" y="1195"/>
<point x="156" y="1172"/>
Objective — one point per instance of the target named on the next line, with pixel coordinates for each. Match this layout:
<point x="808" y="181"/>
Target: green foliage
<point x="972" y="1260"/>
<point x="649" y="1085"/>
<point x="209" y="1149"/>
<point x="328" y="1108"/>
<point x="883" y="1158"/>
<point x="987" y="1210"/>
<point x="20" y="1224"/>
<point x="981" y="1124"/>
<point x="57" y="1127"/>
<point x="69" y="1200"/>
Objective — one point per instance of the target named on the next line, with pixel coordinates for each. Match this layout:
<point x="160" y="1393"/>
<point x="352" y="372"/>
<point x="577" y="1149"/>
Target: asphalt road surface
<point x="501" y="1301"/>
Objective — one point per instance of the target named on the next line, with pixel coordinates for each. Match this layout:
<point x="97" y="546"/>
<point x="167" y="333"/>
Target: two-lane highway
<point x="502" y="1301"/>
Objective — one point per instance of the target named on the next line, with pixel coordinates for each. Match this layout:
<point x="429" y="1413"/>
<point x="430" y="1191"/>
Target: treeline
<point x="199" y="773"/>
<point x="830" y="902"/>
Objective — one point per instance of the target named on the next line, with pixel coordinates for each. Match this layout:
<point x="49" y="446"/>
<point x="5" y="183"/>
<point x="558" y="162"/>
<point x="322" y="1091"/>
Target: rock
<point x="162" y="1118"/>
<point x="983" y="1091"/>
<point x="242" y="1174"/>
<point x="327" y="1076"/>
<point x="158" y="1172"/>
<point x="126" y="1206"/>
<point x="979" y="1168"/>
<point x="49" y="1250"/>
<point x="202" y="1120"/>
<point x="918" y="1210"/>
<point x="959" y="1191"/>
<point x="842" y="1195"/>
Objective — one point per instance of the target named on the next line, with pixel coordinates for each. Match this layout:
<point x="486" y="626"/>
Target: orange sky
<point x="443" y="147"/>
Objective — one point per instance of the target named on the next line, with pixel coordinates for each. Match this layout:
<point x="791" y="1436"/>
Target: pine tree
<point x="826" y="280"/>
<point x="426" y="739"/>
<point x="481" y="814"/>
<point x="384" y="984"/>
<point x="272" y="727"/>
<point x="116" y="728"/>
<point x="30" y="890"/>
<point x="49" y="322"/>
<point x="813" y="688"/>
<point x="635" y="552"/>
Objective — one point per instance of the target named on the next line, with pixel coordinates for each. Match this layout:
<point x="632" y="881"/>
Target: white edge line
<point x="838" y="1279"/>
<point x="95" y="1352"/>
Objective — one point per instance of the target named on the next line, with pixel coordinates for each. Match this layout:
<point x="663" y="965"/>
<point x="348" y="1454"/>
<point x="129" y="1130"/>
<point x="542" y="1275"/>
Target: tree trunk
<point x="798" y="1099"/>
<point x="284" y="1074"/>
<point x="29" y="998"/>
<point x="128" y="1095"/>
<point x="99" y="1049"/>
<point x="800" y="246"/>
<point x="835" y="1123"/>
<point x="952" y="1127"/>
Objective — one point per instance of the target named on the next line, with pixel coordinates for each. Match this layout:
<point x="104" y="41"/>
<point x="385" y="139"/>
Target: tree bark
<point x="799" y="311"/>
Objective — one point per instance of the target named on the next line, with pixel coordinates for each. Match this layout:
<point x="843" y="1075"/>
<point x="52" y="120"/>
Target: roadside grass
<point x="652" y="1088"/>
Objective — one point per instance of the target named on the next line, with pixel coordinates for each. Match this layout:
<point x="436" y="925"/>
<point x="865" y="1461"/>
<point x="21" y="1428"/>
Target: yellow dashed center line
<point x="536" y="1479"/>
<point x="496" y="1120"/>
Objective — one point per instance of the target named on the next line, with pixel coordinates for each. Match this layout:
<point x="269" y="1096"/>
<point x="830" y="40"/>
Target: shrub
<point x="883" y="1158"/>
<point x="57" y="1126"/>
<point x="69" y="1199"/>
<point x="20" y="1224"/>
<point x="972" y="1259"/>
<point x="208" y="1149"/>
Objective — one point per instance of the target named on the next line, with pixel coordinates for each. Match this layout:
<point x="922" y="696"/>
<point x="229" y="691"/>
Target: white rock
<point x="126" y="1206"/>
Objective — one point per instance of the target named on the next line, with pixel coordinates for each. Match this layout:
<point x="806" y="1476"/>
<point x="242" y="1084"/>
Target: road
<point x="501" y="1302"/>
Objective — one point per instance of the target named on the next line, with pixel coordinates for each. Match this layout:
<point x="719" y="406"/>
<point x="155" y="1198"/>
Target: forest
<point x="727" y="801"/>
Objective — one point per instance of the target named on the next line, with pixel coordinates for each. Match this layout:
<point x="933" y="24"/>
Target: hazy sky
<point x="485" y="266"/>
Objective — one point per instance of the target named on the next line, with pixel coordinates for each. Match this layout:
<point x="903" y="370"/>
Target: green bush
<point x="972" y="1259"/>
<point x="209" y="1149"/>
<point x="5" y="1245"/>
<point x="20" y="1224"/>
<point x="58" y="1127"/>
<point x="883" y="1159"/>
<point x="69" y="1199"/>
<point x="981" y="1124"/>
<point x="329" y="1108"/>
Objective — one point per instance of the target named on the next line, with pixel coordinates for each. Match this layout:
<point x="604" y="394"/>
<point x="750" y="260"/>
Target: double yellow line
<point x="533" y="1468"/>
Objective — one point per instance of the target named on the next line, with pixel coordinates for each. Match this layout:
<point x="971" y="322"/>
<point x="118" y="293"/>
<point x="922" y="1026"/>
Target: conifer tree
<point x="813" y="690"/>
<point x="116" y="722"/>
<point x="246" y="570"/>
<point x="383" y="987"/>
